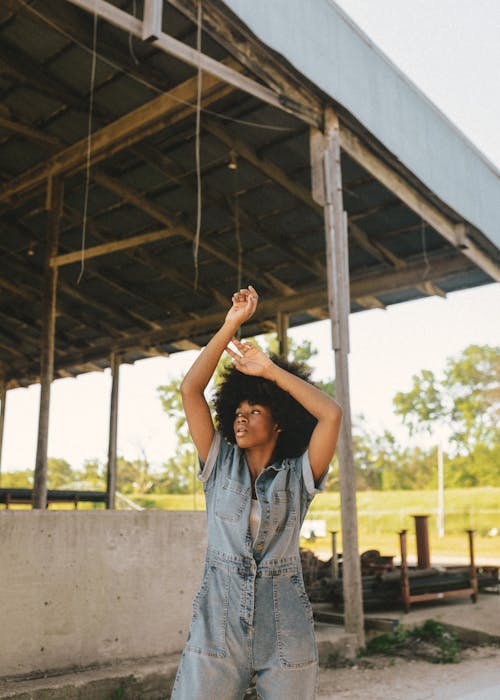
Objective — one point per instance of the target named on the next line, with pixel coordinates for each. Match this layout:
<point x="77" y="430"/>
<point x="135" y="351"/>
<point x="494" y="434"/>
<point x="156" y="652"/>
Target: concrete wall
<point x="79" y="588"/>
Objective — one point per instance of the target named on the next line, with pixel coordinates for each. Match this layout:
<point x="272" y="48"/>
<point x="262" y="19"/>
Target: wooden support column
<point x="3" y="399"/>
<point x="55" y="196"/>
<point x="113" y="433"/>
<point x="327" y="190"/>
<point x="282" y="325"/>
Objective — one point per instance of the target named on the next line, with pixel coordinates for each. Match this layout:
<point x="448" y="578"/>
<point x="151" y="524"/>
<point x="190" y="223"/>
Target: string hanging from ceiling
<point x="142" y="81"/>
<point x="196" y="243"/>
<point x="233" y="166"/>
<point x="89" y="142"/>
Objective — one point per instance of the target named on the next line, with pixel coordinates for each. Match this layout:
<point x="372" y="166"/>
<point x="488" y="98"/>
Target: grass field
<point x="382" y="514"/>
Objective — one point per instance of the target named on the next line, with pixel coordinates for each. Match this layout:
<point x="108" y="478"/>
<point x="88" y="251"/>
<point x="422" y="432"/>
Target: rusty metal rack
<point x="444" y="585"/>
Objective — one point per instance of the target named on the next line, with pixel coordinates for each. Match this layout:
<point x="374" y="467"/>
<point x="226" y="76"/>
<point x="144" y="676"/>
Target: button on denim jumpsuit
<point x="251" y="615"/>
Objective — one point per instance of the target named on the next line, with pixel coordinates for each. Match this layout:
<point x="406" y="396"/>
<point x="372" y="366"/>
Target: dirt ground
<point x="476" y="677"/>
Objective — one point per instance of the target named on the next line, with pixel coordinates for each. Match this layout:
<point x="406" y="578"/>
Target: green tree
<point x="21" y="479"/>
<point x="134" y="476"/>
<point x="466" y="399"/>
<point x="91" y="476"/>
<point x="59" y="473"/>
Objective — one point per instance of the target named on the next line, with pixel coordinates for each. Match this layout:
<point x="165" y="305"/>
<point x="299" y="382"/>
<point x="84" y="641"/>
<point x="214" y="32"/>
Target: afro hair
<point x="295" y="422"/>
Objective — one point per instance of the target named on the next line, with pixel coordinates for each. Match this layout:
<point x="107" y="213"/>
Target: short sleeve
<point x="312" y="487"/>
<point x="207" y="468"/>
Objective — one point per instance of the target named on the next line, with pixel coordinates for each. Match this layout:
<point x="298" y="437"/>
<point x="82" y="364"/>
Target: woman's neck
<point x="258" y="458"/>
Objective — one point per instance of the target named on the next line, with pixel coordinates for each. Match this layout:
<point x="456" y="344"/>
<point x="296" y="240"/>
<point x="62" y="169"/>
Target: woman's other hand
<point x="249" y="359"/>
<point x="243" y="306"/>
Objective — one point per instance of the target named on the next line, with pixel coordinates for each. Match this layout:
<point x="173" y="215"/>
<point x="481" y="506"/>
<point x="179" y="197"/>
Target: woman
<point x="277" y="435"/>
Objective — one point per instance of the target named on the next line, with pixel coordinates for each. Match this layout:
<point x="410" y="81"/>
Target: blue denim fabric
<point x="251" y="615"/>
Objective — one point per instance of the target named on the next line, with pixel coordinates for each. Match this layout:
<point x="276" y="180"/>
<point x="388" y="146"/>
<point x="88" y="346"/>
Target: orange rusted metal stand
<point x="473" y="571"/>
<point x="406" y="596"/>
<point x="405" y="581"/>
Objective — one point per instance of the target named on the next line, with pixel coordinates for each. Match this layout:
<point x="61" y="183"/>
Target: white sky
<point x="451" y="50"/>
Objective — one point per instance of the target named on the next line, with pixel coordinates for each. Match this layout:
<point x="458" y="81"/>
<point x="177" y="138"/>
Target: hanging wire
<point x="196" y="244"/>
<point x="233" y="165"/>
<point x="237" y="231"/>
<point x="89" y="142"/>
<point x="424" y="249"/>
<point x="151" y="86"/>
<point x="131" y="36"/>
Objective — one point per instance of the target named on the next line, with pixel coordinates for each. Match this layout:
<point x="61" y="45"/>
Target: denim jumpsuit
<point x="251" y="615"/>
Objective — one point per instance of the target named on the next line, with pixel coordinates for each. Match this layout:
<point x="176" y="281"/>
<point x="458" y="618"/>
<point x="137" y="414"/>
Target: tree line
<point x="462" y="403"/>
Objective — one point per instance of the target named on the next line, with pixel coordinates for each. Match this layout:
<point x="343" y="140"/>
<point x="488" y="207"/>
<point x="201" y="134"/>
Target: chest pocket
<point x="231" y="500"/>
<point x="283" y="510"/>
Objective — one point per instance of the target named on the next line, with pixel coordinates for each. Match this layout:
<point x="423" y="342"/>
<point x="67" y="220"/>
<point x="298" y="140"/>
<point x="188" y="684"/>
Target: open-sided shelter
<point x="156" y="155"/>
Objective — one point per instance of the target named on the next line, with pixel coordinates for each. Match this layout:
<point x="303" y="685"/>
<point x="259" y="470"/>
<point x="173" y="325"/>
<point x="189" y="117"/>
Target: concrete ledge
<point x="334" y="642"/>
<point x="150" y="679"/>
<point x="144" y="679"/>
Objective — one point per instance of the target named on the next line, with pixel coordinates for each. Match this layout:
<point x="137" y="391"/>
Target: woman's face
<point x="254" y="426"/>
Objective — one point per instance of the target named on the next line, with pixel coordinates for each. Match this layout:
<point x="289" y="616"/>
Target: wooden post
<point x="55" y="192"/>
<point x="113" y="433"/>
<point x="282" y="324"/>
<point x="327" y="191"/>
<point x="3" y="399"/>
<point x="335" y="557"/>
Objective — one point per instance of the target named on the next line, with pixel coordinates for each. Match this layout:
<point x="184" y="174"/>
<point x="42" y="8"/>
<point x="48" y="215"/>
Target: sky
<point x="450" y="50"/>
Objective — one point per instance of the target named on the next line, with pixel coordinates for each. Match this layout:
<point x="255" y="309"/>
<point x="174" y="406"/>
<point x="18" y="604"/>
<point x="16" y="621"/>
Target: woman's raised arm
<point x="251" y="360"/>
<point x="196" y="380"/>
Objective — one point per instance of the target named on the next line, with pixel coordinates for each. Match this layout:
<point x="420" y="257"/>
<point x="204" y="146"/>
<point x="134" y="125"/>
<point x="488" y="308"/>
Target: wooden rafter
<point x="451" y="231"/>
<point x="312" y="298"/>
<point x="177" y="227"/>
<point x="123" y="132"/>
<point x="257" y="58"/>
<point x="208" y="65"/>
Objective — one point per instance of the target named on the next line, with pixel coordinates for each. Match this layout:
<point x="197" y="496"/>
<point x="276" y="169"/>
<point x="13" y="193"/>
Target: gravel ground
<point x="476" y="677"/>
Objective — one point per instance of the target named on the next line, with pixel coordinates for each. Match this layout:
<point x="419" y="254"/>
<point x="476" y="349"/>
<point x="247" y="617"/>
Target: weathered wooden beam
<point x="28" y="131"/>
<point x="47" y="344"/>
<point x="173" y="106"/>
<point x="178" y="228"/>
<point x="177" y="174"/>
<point x="218" y="23"/>
<point x="31" y="293"/>
<point x="264" y="165"/>
<point x="63" y="17"/>
<point x="451" y="231"/>
<point x="111" y="476"/>
<point x="140" y="257"/>
<point x="430" y="289"/>
<point x="189" y="55"/>
<point x="377" y="250"/>
<point x="327" y="179"/>
<point x="312" y="298"/>
<point x="369" y="302"/>
<point x="111" y="247"/>
<point x="277" y="175"/>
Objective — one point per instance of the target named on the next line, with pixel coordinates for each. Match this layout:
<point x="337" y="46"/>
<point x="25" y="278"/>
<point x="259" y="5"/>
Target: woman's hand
<point x="249" y="359"/>
<point x="244" y="305"/>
